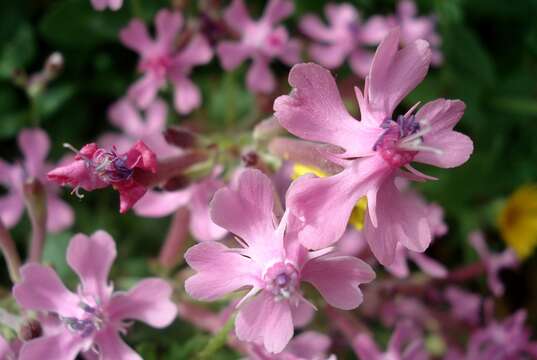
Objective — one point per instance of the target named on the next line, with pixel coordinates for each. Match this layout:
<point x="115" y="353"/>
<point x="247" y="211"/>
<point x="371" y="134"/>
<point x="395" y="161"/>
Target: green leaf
<point x="53" y="98"/>
<point x="18" y="52"/>
<point x="54" y="255"/>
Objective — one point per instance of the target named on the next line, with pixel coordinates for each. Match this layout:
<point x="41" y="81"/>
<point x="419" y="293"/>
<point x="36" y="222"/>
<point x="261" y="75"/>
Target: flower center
<point x="110" y="167"/>
<point x="88" y="323"/>
<point x="159" y="65"/>
<point x="282" y="281"/>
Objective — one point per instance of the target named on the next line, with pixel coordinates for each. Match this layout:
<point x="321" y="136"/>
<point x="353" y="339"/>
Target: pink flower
<point x="405" y="344"/>
<point x="161" y="62"/>
<point x="9" y="350"/>
<point x="93" y="317"/>
<point x="466" y="306"/>
<point x="346" y="36"/>
<point x="494" y="263"/>
<point x="261" y="40"/>
<point x="135" y="126"/>
<point x="101" y="5"/>
<point x="96" y="168"/>
<point x="309" y="345"/>
<point x="35" y="145"/>
<point x="270" y="262"/>
<point x="373" y="150"/>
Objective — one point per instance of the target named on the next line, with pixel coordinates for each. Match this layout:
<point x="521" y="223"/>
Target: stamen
<point x="76" y="192"/>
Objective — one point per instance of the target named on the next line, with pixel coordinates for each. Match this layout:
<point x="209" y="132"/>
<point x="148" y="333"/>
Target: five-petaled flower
<point x="269" y="261"/>
<point x="97" y="168"/>
<point x="373" y="150"/>
<point x="92" y="318"/>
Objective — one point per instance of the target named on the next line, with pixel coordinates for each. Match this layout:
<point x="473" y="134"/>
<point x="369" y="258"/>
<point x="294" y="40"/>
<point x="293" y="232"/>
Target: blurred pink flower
<point x="465" y="306"/>
<point x="261" y="40"/>
<point x="345" y="36"/>
<point x="9" y="350"/>
<point x="271" y="262"/>
<point x="494" y="263"/>
<point x="35" y="145"/>
<point x="406" y="343"/>
<point x="97" y="168"/>
<point x="374" y="149"/>
<point x="160" y="61"/>
<point x="93" y="317"/>
<point x="101" y="5"/>
<point x="309" y="345"/>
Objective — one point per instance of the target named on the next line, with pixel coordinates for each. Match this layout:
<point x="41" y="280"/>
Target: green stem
<point x="136" y="8"/>
<point x="217" y="341"/>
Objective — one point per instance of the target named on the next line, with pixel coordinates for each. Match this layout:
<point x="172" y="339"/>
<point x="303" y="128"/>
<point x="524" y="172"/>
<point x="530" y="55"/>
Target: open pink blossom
<point x="161" y="62"/>
<point x="270" y="262"/>
<point x="309" y="345"/>
<point x="101" y="5"/>
<point x="196" y="197"/>
<point x="466" y="306"/>
<point x="405" y="344"/>
<point x="136" y="125"/>
<point x="34" y="145"/>
<point x="375" y="150"/>
<point x="94" y="316"/>
<point x="494" y="263"/>
<point x="97" y="168"/>
<point x="261" y="40"/>
<point x="345" y="37"/>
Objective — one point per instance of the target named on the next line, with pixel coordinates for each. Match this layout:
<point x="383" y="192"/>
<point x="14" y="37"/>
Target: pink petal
<point x="360" y="62"/>
<point x="99" y="5"/>
<point x="314" y="111"/>
<point x="159" y="204"/>
<point x="197" y="52"/>
<point x="399" y="266"/>
<point x="375" y="29"/>
<point x="129" y="195"/>
<point x="264" y="320"/>
<point x="144" y="91"/>
<point x="395" y="73"/>
<point x="220" y="271"/>
<point x="277" y="10"/>
<point x="111" y="346"/>
<point x="91" y="258"/>
<point x="309" y="345"/>
<point x="290" y="54"/>
<point x="259" y="77"/>
<point x="232" y="54"/>
<point x="135" y="37"/>
<point x="341" y="14"/>
<point x="330" y="56"/>
<point x="246" y="210"/>
<point x="62" y="346"/>
<point x="337" y="279"/>
<point x="302" y="314"/>
<point x="115" y="4"/>
<point x="429" y="265"/>
<point x="187" y="96"/>
<point x="11" y="208"/>
<point x="442" y="115"/>
<point x="124" y="115"/>
<point x="167" y="24"/>
<point x="237" y="17"/>
<point x="35" y="145"/>
<point x="60" y="214"/>
<point x="41" y="289"/>
<point x="366" y="348"/>
<point x="121" y="142"/>
<point x="155" y="117"/>
<point x="313" y="27"/>
<point x="201" y="225"/>
<point x="148" y="301"/>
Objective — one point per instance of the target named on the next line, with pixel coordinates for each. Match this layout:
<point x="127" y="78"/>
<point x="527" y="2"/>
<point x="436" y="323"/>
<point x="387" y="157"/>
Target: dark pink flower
<point x="261" y="40"/>
<point x="345" y="37"/>
<point x="97" y="168"/>
<point x="103" y="4"/>
<point x="374" y="150"/>
<point x="34" y="145"/>
<point x="161" y="62"/>
<point x="92" y="318"/>
<point x="270" y="262"/>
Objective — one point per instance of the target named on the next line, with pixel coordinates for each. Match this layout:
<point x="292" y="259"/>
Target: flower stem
<point x="171" y="251"/>
<point x="217" y="341"/>
<point x="35" y="199"/>
<point x="7" y="246"/>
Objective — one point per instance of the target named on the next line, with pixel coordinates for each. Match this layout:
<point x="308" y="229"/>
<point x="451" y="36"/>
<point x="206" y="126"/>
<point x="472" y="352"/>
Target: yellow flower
<point x="518" y="221"/>
<point x="358" y="213"/>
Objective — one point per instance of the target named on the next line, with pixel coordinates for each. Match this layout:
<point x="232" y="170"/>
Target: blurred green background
<point x="490" y="51"/>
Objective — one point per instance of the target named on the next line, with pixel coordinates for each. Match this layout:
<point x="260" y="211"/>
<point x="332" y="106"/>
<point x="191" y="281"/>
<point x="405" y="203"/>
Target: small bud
<point x="53" y="65"/>
<point x="180" y="137"/>
<point x="250" y="159"/>
<point x="31" y="329"/>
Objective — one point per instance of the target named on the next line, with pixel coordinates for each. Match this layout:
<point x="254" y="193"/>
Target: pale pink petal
<point x="167" y="24"/>
<point x="159" y="204"/>
<point x="341" y="14"/>
<point x="278" y="10"/>
<point x="155" y="117"/>
<point x="259" y="77"/>
<point x="220" y="271"/>
<point x="337" y="278"/>
<point x="136" y="37"/>
<point x="232" y="54"/>
<point x="360" y="62"/>
<point x="187" y="96"/>
<point x="375" y="29"/>
<point x="144" y="91"/>
<point x="62" y="346"/>
<point x="330" y="56"/>
<point x="197" y="52"/>
<point x="115" y="4"/>
<point x="352" y="242"/>
<point x="290" y="54"/>
<point x="399" y="266"/>
<point x="266" y="321"/>
<point x="92" y="258"/>
<point x="5" y="173"/>
<point x="201" y="225"/>
<point x="99" y="4"/>
<point x="455" y="148"/>
<point x="247" y="209"/>
<point x="35" y="145"/>
<point x="112" y="347"/>
<point x="302" y="314"/>
<point x="148" y="301"/>
<point x="121" y="142"/>
<point x="366" y="348"/>
<point x="313" y="27"/>
<point x="309" y="345"/>
<point x="395" y="73"/>
<point x="124" y="115"/>
<point x="429" y="265"/>
<point x="11" y="208"/>
<point x="314" y="111"/>
<point x="60" y="214"/>
<point x="237" y="17"/>
<point x="41" y="289"/>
